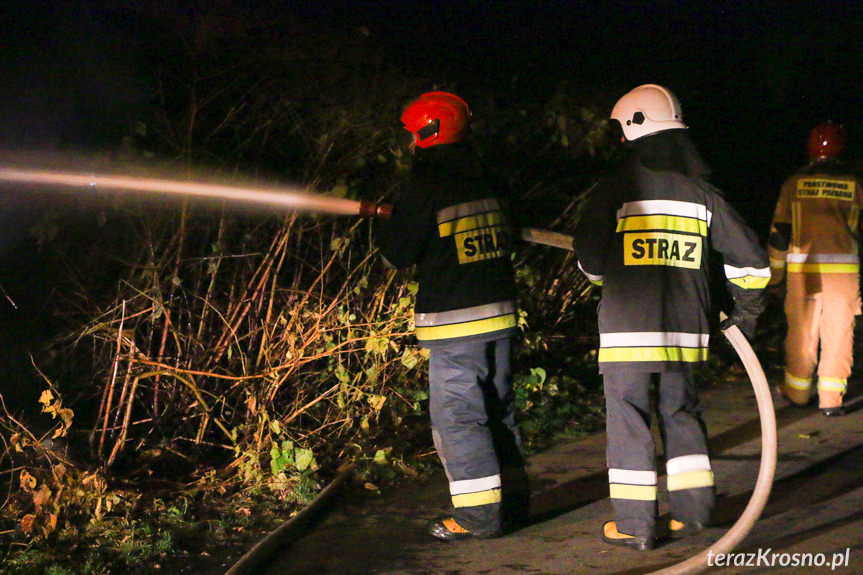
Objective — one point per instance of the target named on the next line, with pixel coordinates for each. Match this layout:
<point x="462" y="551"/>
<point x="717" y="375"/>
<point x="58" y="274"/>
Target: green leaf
<point x="539" y="373"/>
<point x="409" y="360"/>
<point x="305" y="459"/>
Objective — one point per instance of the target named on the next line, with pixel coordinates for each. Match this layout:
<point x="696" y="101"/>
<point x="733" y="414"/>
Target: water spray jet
<point x="289" y="198"/>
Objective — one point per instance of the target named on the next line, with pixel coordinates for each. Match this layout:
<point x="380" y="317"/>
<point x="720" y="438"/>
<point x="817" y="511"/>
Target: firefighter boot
<point x="830" y="402"/>
<point x="610" y="534"/>
<point x="449" y="530"/>
<point x="678" y="529"/>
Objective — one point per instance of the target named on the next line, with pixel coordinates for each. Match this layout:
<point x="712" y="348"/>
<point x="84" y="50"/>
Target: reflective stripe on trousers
<point x="653" y="346"/>
<point x="820" y="310"/>
<point x="473" y="423"/>
<point x="630" y="451"/>
<point x="465" y="322"/>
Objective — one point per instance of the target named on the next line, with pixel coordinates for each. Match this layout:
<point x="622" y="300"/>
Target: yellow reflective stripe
<point x="750" y="282"/>
<point x="429" y="319"/>
<point x="833" y="384"/>
<point x="690" y="480"/>
<point x="662" y="222"/>
<point x="467" y="328"/>
<point x="479" y="498"/>
<point x="686" y="354"/>
<point x="824" y="268"/>
<point x="748" y="277"/>
<point x="471" y="223"/>
<point x="467" y="209"/>
<point x="666" y="207"/>
<point x="797" y="382"/>
<point x="593" y="278"/>
<point x="636" y="492"/>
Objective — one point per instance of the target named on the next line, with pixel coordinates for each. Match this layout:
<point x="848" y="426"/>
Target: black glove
<point x="747" y="322"/>
<point x="748" y="305"/>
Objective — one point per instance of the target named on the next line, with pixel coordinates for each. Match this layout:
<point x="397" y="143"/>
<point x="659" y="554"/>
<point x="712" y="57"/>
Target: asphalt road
<point x="813" y="519"/>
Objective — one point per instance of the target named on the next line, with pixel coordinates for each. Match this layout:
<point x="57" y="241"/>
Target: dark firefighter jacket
<point x="452" y="223"/>
<point x="645" y="236"/>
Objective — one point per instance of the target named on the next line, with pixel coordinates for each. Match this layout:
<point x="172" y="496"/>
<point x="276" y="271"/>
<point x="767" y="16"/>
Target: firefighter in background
<point x="645" y="237"/>
<point x="814" y="236"/>
<point x="453" y="225"/>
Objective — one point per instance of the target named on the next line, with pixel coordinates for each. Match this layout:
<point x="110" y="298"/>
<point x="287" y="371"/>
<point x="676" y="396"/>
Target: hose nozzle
<point x="373" y="210"/>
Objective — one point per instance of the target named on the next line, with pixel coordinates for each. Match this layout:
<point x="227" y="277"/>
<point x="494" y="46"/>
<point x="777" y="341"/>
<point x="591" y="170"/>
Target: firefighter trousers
<point x="630" y="451"/>
<point x="475" y="433"/>
<point x="820" y="310"/>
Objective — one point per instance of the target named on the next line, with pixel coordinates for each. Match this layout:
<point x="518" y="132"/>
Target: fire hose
<point x="741" y="528"/>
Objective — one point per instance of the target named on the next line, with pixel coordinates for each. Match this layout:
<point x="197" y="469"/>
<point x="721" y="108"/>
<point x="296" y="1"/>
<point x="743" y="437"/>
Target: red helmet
<point x="826" y="140"/>
<point x="437" y="118"/>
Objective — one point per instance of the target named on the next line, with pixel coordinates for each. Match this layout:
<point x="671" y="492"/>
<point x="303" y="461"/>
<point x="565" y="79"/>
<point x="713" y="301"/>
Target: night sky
<point x="739" y="67"/>
<point x="753" y="76"/>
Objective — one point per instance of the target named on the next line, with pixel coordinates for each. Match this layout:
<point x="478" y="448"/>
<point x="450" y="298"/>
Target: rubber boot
<point x="830" y="402"/>
<point x="610" y="534"/>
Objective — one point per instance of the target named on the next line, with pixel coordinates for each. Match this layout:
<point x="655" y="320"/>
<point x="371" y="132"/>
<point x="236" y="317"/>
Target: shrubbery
<point x="254" y="353"/>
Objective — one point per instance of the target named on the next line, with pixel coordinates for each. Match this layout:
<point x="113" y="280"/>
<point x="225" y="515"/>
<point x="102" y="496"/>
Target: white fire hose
<point x="739" y="531"/>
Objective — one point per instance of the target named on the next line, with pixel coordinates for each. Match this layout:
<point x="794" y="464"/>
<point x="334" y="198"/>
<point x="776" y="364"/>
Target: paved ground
<point x="816" y="507"/>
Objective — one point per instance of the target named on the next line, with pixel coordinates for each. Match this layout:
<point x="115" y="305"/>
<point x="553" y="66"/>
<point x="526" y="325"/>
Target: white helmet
<point x="646" y="110"/>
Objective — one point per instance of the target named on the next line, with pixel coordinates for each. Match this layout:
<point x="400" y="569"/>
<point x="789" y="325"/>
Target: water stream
<point x="291" y="198"/>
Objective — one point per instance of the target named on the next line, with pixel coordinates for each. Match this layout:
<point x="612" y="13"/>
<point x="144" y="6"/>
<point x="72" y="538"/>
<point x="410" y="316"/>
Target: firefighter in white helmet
<point x="453" y="225"/>
<point x="645" y="237"/>
<point x="815" y="237"/>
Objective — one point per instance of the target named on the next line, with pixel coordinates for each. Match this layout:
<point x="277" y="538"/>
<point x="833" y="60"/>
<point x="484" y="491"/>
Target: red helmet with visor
<point x="437" y="118"/>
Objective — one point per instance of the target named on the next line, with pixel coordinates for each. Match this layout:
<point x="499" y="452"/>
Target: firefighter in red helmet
<point x="813" y="245"/>
<point x="645" y="237"/>
<point x="452" y="223"/>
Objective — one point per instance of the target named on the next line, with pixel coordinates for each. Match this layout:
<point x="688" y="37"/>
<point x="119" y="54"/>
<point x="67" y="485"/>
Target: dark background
<point x="753" y="78"/>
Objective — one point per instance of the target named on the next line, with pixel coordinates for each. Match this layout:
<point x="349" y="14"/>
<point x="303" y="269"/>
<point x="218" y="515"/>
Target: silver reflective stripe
<point x="464" y="315"/>
<point x="592" y="277"/>
<point x="474" y="485"/>
<point x="732" y="272"/>
<point x="467" y="209"/>
<point x="823" y="258"/>
<point x="686" y="463"/>
<point x="653" y="339"/>
<point x="631" y="477"/>
<point x="666" y="207"/>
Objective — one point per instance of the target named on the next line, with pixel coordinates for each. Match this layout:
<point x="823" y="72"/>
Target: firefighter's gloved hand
<point x="747" y="322"/>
